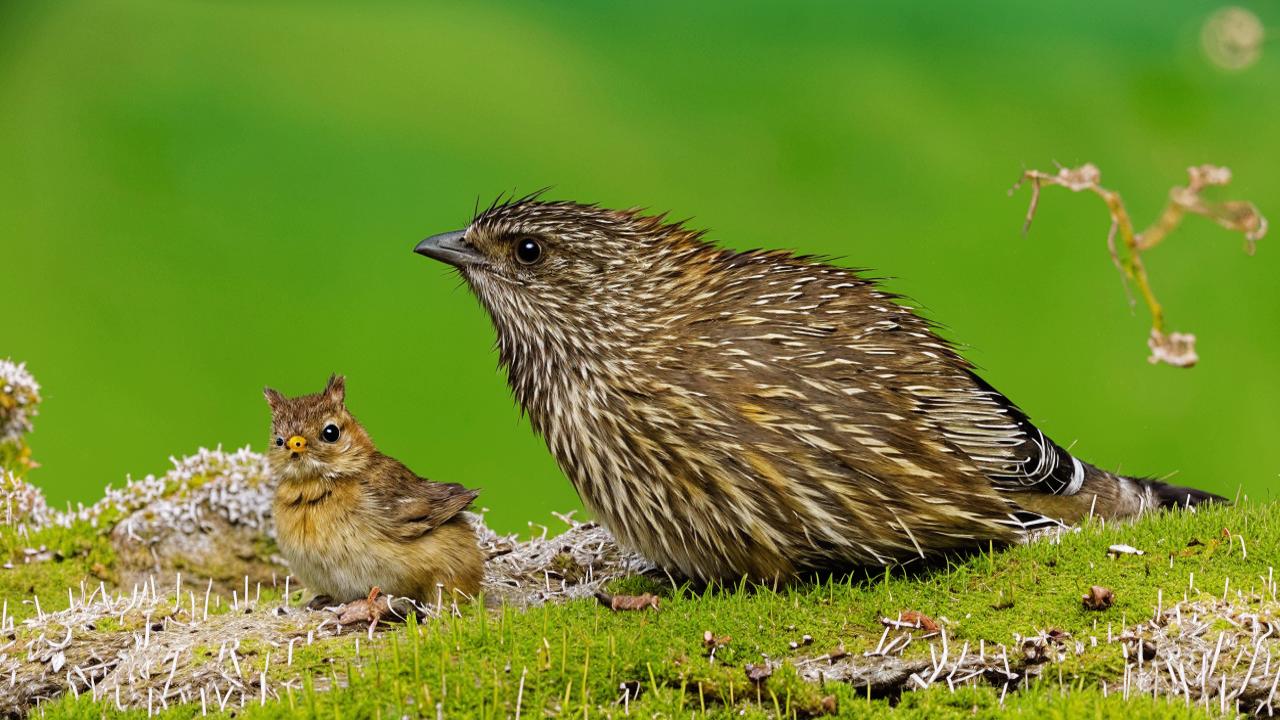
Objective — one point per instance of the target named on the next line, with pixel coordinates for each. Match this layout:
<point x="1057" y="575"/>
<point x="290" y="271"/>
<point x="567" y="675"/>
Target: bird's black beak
<point x="450" y="248"/>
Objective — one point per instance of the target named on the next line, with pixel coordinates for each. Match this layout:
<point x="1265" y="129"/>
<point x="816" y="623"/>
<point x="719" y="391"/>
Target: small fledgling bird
<point x="758" y="413"/>
<point x="349" y="519"/>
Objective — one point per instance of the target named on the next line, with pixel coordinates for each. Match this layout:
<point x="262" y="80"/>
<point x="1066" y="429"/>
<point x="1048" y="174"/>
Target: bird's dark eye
<point x="279" y="441"/>
<point x="528" y="250"/>
<point x="330" y="433"/>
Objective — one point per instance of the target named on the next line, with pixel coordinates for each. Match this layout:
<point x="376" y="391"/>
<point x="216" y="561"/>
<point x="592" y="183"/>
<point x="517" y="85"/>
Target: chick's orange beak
<point x="297" y="443"/>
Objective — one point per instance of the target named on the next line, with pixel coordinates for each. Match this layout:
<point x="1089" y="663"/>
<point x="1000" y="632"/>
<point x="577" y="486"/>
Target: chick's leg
<point x="365" y="610"/>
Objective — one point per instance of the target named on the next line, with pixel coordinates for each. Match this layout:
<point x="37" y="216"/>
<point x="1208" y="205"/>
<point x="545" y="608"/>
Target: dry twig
<point x="1174" y="348"/>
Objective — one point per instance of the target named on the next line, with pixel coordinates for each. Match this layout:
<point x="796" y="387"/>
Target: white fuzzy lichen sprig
<point x="22" y="504"/>
<point x="234" y="485"/>
<point x="19" y="395"/>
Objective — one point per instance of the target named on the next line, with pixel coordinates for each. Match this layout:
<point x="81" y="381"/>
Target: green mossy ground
<point x="63" y="558"/>
<point x="1044" y="701"/>
<point x="571" y="660"/>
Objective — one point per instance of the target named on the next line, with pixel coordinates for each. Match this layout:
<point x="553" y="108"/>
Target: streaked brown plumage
<point x="757" y="413"/>
<point x="349" y="518"/>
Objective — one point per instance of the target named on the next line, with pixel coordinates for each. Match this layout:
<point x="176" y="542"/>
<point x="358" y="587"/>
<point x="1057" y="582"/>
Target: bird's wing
<point x="819" y="389"/>
<point x="843" y="328"/>
<point x="807" y="466"/>
<point x="406" y="506"/>
<point x="997" y="436"/>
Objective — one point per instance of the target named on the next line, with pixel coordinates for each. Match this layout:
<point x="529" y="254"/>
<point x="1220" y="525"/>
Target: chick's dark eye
<point x="279" y="441"/>
<point x="528" y="250"/>
<point x="330" y="433"/>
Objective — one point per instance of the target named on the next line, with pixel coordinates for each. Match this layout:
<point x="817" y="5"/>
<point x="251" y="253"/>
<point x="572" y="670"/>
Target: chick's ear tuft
<point x="336" y="390"/>
<point x="274" y="398"/>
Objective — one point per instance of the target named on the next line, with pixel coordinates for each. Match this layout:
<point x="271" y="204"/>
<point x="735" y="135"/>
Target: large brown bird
<point x="758" y="413"/>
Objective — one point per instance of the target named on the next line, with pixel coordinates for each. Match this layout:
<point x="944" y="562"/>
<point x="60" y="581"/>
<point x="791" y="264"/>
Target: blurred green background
<point x="200" y="198"/>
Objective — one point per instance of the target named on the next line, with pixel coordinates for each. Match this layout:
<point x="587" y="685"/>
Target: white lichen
<point x="234" y="486"/>
<point x="24" y="503"/>
<point x="171" y="647"/>
<point x="166" y="645"/>
<point x="19" y="395"/>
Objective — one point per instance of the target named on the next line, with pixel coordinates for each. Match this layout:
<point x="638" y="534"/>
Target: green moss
<point x="567" y="568"/>
<point x="80" y="553"/>
<point x="109" y="625"/>
<point x="15" y="456"/>
<point x="575" y="659"/>
<point x="638" y="585"/>
<point x="264" y="548"/>
<point x="252" y="646"/>
<point x="1044" y="700"/>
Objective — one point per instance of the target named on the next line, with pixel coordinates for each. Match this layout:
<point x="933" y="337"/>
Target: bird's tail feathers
<point x="1120" y="495"/>
<point x="1110" y="496"/>
<point x="1161" y="494"/>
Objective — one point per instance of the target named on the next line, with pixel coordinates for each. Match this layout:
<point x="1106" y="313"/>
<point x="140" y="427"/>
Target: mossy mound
<point x="209" y="517"/>
<point x="1006" y="629"/>
<point x="167" y="597"/>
